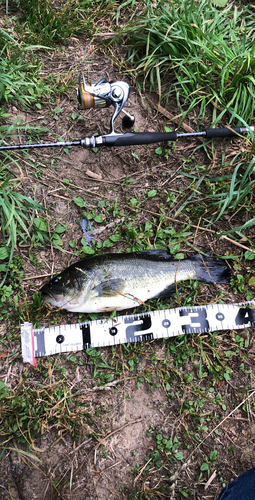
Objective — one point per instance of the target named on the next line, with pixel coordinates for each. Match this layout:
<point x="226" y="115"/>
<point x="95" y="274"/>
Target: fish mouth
<point x="51" y="299"/>
<point x="46" y="294"/>
<point x="59" y="301"/>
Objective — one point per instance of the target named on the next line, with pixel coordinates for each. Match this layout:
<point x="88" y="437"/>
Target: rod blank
<point x="134" y="139"/>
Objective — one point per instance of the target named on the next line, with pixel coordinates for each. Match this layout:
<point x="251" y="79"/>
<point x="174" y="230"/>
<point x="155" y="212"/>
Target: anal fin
<point x="169" y="290"/>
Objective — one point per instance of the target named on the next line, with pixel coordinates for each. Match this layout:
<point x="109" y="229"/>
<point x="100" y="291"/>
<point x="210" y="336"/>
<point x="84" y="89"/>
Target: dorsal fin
<point x="154" y="254"/>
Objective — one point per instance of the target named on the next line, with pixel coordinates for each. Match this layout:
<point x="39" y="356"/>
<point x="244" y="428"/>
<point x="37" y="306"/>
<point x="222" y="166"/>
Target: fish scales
<point x="121" y="281"/>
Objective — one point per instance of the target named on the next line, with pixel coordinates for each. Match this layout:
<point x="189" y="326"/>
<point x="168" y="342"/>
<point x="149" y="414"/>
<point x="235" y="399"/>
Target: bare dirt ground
<point x="121" y="455"/>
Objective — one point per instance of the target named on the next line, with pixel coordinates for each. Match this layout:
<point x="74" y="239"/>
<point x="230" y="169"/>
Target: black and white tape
<point x="166" y="323"/>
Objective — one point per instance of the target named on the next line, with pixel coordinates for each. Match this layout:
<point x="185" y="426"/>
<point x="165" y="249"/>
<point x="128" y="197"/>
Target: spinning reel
<point x="104" y="94"/>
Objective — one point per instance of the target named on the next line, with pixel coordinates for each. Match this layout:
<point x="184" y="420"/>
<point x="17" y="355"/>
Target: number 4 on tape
<point x="134" y="328"/>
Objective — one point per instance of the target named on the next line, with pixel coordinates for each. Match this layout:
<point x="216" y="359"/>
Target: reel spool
<point x="86" y="96"/>
<point x="104" y="94"/>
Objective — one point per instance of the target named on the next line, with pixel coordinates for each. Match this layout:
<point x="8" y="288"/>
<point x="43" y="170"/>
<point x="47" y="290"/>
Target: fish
<point x="117" y="281"/>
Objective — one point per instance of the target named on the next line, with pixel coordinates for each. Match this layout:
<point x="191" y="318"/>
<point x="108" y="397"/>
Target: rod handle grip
<point x="212" y="133"/>
<point x="134" y="139"/>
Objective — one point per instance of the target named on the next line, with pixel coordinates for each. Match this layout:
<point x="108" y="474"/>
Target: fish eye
<point x="55" y="281"/>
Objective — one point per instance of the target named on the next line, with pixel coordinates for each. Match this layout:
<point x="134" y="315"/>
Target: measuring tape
<point x="166" y="323"/>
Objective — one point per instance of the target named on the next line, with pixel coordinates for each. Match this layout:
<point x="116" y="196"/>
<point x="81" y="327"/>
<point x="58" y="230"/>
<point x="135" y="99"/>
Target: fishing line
<point x="165" y="323"/>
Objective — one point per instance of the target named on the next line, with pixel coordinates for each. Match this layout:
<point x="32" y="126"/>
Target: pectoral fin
<point x="110" y="287"/>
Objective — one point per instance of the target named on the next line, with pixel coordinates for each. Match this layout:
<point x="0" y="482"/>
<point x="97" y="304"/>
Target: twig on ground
<point x="170" y="116"/>
<point x="115" y="431"/>
<point x="222" y="422"/>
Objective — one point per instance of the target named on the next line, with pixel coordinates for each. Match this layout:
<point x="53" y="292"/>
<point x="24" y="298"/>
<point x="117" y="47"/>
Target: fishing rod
<point x="104" y="94"/>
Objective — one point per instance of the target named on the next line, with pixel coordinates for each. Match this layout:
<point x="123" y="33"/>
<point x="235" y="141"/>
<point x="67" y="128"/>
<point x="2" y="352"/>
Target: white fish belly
<point x="124" y="300"/>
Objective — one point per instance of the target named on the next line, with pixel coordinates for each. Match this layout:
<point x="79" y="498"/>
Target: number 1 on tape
<point x="166" y="323"/>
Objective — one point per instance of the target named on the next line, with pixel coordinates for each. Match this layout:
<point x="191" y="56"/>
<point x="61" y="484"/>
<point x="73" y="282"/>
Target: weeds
<point x="18" y="82"/>
<point x="203" y="54"/>
<point x="14" y="220"/>
<point x="25" y="414"/>
<point x="19" y="74"/>
<point x="240" y="190"/>
<point x="51" y="22"/>
<point x="48" y="21"/>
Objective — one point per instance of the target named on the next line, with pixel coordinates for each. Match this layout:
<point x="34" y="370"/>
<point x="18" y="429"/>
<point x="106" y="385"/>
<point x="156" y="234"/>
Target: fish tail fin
<point x="211" y="269"/>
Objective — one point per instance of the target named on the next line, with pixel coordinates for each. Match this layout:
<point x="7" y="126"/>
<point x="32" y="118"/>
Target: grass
<point x="240" y="189"/>
<point x="19" y="82"/>
<point x="204" y="57"/>
<point x="19" y="72"/>
<point x="25" y="414"/>
<point x="49" y="22"/>
<point x="202" y="54"/>
<point x="53" y="23"/>
<point x="14" y="219"/>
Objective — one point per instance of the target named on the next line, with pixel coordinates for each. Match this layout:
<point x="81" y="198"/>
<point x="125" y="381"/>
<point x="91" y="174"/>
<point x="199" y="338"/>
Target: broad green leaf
<point x="249" y="255"/>
<point x="60" y="228"/>
<point x="80" y="202"/>
<point x="87" y="250"/>
<point x="4" y="253"/>
<point x="152" y="193"/>
<point x="41" y="224"/>
<point x="220" y="3"/>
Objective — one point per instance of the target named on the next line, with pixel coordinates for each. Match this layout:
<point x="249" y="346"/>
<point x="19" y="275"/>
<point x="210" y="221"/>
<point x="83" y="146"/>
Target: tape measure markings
<point x="158" y="324"/>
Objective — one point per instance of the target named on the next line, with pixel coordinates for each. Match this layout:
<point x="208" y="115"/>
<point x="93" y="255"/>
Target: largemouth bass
<point x="120" y="281"/>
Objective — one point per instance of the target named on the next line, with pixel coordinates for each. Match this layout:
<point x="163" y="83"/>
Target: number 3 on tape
<point x="198" y="322"/>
